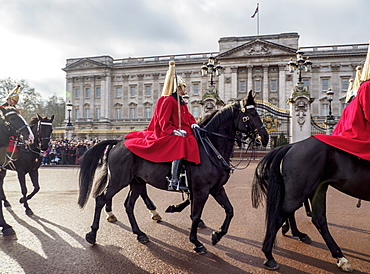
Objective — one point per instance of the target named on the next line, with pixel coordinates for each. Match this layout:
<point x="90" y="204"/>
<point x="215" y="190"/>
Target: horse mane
<point x="223" y="116"/>
<point x="34" y="121"/>
<point x="208" y="118"/>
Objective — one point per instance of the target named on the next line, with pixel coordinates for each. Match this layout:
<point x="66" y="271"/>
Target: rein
<point x="205" y="141"/>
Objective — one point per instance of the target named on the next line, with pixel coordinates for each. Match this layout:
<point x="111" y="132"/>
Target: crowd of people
<point x="66" y="152"/>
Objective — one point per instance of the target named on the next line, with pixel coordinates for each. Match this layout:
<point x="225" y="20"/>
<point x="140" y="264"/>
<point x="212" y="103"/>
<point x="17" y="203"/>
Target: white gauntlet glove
<point x="179" y="132"/>
<point x="193" y="126"/>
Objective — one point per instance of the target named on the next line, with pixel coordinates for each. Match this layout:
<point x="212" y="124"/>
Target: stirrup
<point x="173" y="186"/>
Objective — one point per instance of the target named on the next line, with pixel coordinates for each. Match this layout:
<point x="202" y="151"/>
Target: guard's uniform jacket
<point x="157" y="143"/>
<point x="352" y="133"/>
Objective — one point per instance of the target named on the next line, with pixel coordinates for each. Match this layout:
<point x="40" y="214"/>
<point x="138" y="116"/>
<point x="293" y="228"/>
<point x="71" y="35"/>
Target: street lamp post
<point x="211" y="69"/>
<point x="69" y="125"/>
<point x="299" y="65"/>
<point x="211" y="100"/>
<point x="69" y="106"/>
<point x="330" y="119"/>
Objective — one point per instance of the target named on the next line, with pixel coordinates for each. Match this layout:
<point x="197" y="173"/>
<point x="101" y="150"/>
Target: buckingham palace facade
<point x="112" y="97"/>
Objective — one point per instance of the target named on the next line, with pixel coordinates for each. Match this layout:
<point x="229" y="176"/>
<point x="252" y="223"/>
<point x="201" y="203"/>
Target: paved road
<point x="52" y="240"/>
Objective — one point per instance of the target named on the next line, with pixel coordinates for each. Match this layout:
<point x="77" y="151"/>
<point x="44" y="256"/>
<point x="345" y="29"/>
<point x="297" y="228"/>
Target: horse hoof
<point x="215" y="237"/>
<point x="170" y="209"/>
<point x="200" y="250"/>
<point x="90" y="238"/>
<point x="344" y="265"/>
<point x="112" y="219"/>
<point x="143" y="238"/>
<point x="271" y="264"/>
<point x="157" y="218"/>
<point x="201" y="225"/>
<point x="8" y="231"/>
<point x="284" y="229"/>
<point x="7" y="204"/>
<point x="305" y="239"/>
<point x="29" y="212"/>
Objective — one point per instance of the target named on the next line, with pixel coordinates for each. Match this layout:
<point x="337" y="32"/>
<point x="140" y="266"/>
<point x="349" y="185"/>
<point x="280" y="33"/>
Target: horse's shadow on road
<point x="53" y="252"/>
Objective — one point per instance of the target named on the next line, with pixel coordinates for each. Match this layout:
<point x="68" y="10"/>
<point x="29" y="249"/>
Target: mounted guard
<point x="169" y="136"/>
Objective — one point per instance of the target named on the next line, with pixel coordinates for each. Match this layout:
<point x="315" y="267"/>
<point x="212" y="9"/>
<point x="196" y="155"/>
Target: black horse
<point x="13" y="125"/>
<point x="29" y="160"/>
<point x="209" y="177"/>
<point x="293" y="173"/>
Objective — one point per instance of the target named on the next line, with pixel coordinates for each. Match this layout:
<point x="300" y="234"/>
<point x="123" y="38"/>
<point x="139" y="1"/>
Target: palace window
<point x="118" y="113"/>
<point x="148" y="90"/>
<point x="98" y="92"/>
<point x="242" y="87"/>
<point x="324" y="84"/>
<point x="148" y="113"/>
<point x="345" y="84"/>
<point x="87" y="92"/>
<point x="273" y="85"/>
<point x="195" y="89"/>
<point x="133" y="91"/>
<point x="77" y="113"/>
<point x="196" y="112"/>
<point x="132" y="113"/>
<point x="97" y="113"/>
<point x="77" y="93"/>
<point x="87" y="113"/>
<point x="257" y="86"/>
<point x="118" y="92"/>
<point x="325" y="109"/>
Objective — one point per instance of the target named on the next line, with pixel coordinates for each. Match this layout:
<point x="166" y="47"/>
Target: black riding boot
<point x="174" y="182"/>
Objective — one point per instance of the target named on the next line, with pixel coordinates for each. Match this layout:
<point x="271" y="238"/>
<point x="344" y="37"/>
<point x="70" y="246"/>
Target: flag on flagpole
<point x="255" y="12"/>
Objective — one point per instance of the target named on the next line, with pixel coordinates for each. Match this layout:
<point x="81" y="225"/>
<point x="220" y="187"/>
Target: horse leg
<point x="273" y="225"/>
<point x="150" y="205"/>
<point x="197" y="205"/>
<point x="2" y="193"/>
<point x="295" y="232"/>
<point x="180" y="207"/>
<point x="7" y="229"/>
<point x="99" y="204"/>
<point x="133" y="194"/>
<point x="108" y="209"/>
<point x="307" y="208"/>
<point x="23" y="200"/>
<point x="34" y="175"/>
<point x="221" y="197"/>
<point x="319" y="220"/>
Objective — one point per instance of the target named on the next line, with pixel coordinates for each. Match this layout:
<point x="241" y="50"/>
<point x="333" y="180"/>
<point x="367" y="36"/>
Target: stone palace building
<point x="112" y="97"/>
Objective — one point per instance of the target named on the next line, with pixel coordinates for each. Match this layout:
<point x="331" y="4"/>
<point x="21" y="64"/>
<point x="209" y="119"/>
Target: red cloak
<point x="157" y="143"/>
<point x="352" y="133"/>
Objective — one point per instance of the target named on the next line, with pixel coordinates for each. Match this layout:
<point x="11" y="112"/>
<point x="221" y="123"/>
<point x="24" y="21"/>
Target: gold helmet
<point x="14" y="95"/>
<point x="366" y="69"/>
<point x="350" y="95"/>
<point x="171" y="82"/>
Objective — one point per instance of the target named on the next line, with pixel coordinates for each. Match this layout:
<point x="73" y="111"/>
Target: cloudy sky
<point x="37" y="36"/>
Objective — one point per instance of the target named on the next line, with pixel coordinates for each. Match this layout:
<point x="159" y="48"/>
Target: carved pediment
<point x="84" y="63"/>
<point x="257" y="48"/>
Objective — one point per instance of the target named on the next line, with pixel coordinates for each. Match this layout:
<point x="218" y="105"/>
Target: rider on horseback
<point x="11" y="101"/>
<point x="169" y="136"/>
<point x="352" y="133"/>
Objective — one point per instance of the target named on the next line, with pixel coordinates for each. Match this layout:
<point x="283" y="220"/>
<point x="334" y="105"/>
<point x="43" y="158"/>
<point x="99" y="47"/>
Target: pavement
<point x="52" y="240"/>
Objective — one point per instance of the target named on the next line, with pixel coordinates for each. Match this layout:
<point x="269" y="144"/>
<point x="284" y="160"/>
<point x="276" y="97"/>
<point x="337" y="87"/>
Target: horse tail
<point x="88" y="165"/>
<point x="268" y="167"/>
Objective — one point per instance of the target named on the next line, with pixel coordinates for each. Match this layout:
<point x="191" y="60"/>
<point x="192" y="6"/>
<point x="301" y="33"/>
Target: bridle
<point x="206" y="142"/>
<point x="11" y="127"/>
<point x="37" y="149"/>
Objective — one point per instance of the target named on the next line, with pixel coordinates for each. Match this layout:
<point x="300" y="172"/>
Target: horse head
<point x="249" y="121"/>
<point x="42" y="127"/>
<point x="16" y="125"/>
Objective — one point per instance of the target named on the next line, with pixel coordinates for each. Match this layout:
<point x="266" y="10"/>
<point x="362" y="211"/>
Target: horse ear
<point x="52" y="118"/>
<point x="38" y="116"/>
<point x="250" y="100"/>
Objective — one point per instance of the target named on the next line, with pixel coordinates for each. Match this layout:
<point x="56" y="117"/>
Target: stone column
<point x="265" y="85"/>
<point x="249" y="78"/>
<point x="234" y="82"/>
<point x="282" y="87"/>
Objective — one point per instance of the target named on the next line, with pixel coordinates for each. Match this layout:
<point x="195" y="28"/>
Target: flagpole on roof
<point x="256" y="12"/>
<point x="258" y="19"/>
